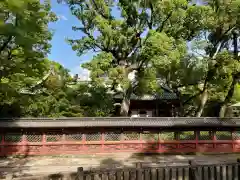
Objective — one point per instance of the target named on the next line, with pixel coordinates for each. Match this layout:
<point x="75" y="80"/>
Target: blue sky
<point x="61" y="51"/>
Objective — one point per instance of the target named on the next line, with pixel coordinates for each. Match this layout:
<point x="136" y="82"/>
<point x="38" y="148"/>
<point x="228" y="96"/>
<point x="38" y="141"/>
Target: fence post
<point x="79" y="173"/>
<point x="24" y="149"/>
<point x="193" y="174"/>
<point x="102" y="140"/>
<point x="139" y="171"/>
<point x="233" y="139"/>
<point x="66" y="176"/>
<point x="197" y="135"/>
<point x="238" y="167"/>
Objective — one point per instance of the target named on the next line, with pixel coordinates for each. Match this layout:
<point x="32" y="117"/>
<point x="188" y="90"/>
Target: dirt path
<point x="47" y="164"/>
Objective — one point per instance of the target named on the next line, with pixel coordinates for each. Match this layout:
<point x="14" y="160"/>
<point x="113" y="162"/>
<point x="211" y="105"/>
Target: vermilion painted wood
<point x="64" y="146"/>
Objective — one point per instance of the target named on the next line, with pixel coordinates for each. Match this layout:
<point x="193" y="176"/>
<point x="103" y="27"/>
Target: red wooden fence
<point x="32" y="137"/>
<point x="53" y="143"/>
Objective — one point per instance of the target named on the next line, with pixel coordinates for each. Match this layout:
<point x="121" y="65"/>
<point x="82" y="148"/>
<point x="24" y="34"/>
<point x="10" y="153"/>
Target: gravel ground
<point x="59" y="164"/>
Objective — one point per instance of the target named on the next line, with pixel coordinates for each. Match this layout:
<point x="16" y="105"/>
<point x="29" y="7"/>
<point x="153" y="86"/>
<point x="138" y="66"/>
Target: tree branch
<point x="5" y="44"/>
<point x="160" y="28"/>
<point x="192" y="97"/>
<point x="150" y="23"/>
<point x="97" y="9"/>
<point x="9" y="38"/>
<point x="189" y="84"/>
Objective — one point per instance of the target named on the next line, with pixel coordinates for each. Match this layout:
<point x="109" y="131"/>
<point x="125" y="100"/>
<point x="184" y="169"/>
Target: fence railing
<point x="226" y="171"/>
<point x="82" y="141"/>
<point x="39" y="136"/>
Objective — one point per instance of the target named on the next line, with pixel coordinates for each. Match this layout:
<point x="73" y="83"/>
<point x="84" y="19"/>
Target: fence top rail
<point x="156" y="166"/>
<point x="118" y="122"/>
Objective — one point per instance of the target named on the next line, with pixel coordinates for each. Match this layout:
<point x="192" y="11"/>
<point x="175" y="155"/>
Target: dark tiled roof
<point x="161" y="96"/>
<point x="119" y="122"/>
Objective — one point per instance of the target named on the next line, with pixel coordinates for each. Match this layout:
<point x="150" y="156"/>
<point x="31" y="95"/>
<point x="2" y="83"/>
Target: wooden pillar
<point x="84" y="142"/>
<point x="157" y="108"/>
<point x="122" y="140"/>
<point x="233" y="140"/>
<point x="177" y="139"/>
<point x="44" y="140"/>
<point x="102" y="141"/>
<point x="197" y="135"/>
<point x="3" y="144"/>
<point x="141" y="140"/>
<point x="214" y="139"/>
<point x="24" y="148"/>
<point x="63" y="141"/>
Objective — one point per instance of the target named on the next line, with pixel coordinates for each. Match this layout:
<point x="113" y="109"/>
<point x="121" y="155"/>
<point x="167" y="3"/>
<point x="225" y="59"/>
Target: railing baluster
<point x="170" y="173"/>
<point x="160" y="173"/>
<point x="177" y="173"/>
<point x="183" y="174"/>
<point x="119" y="175"/>
<point x="126" y="175"/>
<point x="80" y="174"/>
<point x="227" y="172"/>
<point x="222" y="172"/>
<point x="146" y="174"/>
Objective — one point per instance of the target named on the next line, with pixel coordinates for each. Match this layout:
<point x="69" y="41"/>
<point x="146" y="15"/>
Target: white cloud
<point x="83" y="74"/>
<point x="62" y="17"/>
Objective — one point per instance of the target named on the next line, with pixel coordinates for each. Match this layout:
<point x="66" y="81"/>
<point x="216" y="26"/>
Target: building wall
<point x="137" y="113"/>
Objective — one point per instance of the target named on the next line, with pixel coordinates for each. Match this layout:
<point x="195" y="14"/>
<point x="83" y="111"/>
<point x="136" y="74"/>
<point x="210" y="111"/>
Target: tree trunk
<point x="203" y="100"/>
<point x="126" y="102"/>
<point x="125" y="106"/>
<point x="228" y="98"/>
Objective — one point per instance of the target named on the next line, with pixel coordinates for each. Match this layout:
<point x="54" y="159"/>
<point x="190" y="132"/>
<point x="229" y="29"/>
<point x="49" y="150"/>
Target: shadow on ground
<point x="6" y="159"/>
<point x="107" y="161"/>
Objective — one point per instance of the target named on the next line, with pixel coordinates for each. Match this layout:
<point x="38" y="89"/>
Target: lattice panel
<point x="186" y="135"/>
<point x="205" y="135"/>
<point x="93" y="137"/>
<point x="150" y="136"/>
<point x="131" y="147"/>
<point x="13" y="137"/>
<point x="34" y="149"/>
<point x="112" y="147"/>
<point x="187" y="146"/>
<point x="34" y="137"/>
<point x="205" y="147"/>
<point x="151" y="146"/>
<point x="223" y="135"/>
<point x="53" y="148"/>
<point x="76" y="148"/>
<point x="236" y="135"/>
<point x="53" y="137"/>
<point x="93" y="148"/>
<point x="73" y="137"/>
<point x="111" y="136"/>
<point x="225" y="147"/>
<point x="166" y="135"/>
<point x="169" y="146"/>
<point x="130" y="136"/>
<point x="12" y="149"/>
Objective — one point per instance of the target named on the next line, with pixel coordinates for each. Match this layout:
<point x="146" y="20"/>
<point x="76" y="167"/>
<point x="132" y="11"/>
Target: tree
<point x="55" y="99"/>
<point x="222" y="29"/>
<point x="94" y="99"/>
<point x="121" y="47"/>
<point x="24" y="43"/>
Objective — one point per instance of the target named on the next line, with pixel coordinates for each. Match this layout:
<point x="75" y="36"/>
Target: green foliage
<point x="145" y="40"/>
<point x="124" y="50"/>
<point x="24" y="43"/>
<point x="93" y="99"/>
